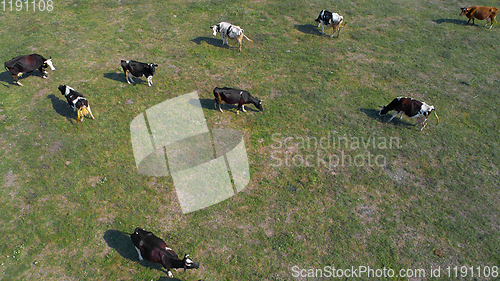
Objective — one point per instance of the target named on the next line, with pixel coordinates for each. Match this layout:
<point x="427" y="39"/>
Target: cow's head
<point x="427" y="110"/>
<point x="152" y="66"/>
<point x="48" y="63"/>
<point x="383" y="111"/>
<point x="189" y="263"/>
<point x="215" y="29"/>
<point x="259" y="106"/>
<point x="464" y="10"/>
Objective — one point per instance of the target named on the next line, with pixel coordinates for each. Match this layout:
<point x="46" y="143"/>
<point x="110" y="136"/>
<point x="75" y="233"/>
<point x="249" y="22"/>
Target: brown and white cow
<point x="154" y="249"/>
<point x="28" y="63"/>
<point x="227" y="31"/>
<point x="480" y="13"/>
<point x="411" y="108"/>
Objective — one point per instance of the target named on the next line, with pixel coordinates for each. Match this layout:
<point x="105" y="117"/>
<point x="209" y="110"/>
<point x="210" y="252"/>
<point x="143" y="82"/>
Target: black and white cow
<point x="138" y="69"/>
<point x="28" y="63"/>
<point x="154" y="249"/>
<point x="235" y="96"/>
<point x="227" y="31"/>
<point x="327" y="18"/>
<point x="411" y="108"/>
<point x="77" y="102"/>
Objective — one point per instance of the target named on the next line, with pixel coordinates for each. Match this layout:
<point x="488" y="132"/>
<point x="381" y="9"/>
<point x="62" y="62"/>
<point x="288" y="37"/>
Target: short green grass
<point x="70" y="193"/>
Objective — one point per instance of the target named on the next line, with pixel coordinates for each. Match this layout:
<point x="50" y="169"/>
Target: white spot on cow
<point x="139" y="253"/>
<point x="49" y="63"/>
<point x="68" y="89"/>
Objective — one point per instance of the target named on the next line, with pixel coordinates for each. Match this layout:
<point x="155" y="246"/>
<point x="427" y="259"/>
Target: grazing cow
<point x="480" y="13"/>
<point x="154" y="249"/>
<point x="235" y="96"/>
<point x="77" y="102"/>
<point x="138" y="69"/>
<point x="327" y="18"/>
<point x="228" y="30"/>
<point x="412" y="108"/>
<point x="26" y="64"/>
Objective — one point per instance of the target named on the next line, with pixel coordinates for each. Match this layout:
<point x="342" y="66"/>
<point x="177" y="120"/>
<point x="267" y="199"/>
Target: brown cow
<point x="480" y="13"/>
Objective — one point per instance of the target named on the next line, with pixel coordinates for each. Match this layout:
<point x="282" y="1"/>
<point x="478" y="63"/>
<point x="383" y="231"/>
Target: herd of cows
<point x="149" y="246"/>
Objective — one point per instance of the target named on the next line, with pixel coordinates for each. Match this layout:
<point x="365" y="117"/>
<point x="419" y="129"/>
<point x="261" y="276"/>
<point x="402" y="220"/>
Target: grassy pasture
<point x="70" y="193"/>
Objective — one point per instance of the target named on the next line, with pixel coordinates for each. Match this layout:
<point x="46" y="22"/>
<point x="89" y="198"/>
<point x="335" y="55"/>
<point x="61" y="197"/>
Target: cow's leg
<point x="243" y="108"/>
<point x="129" y="75"/>
<point x="322" y="28"/>
<point x="238" y="40"/>
<point x="90" y="111"/>
<point x="79" y="115"/>
<point x="394" y="115"/>
<point x="139" y="253"/>
<point x="170" y="275"/>
<point x="424" y="124"/>
<point x="489" y="20"/>
<point x="150" y="81"/>
<point x="16" y="79"/>
<point x="44" y="73"/>
<point x="217" y="104"/>
<point x="126" y="76"/>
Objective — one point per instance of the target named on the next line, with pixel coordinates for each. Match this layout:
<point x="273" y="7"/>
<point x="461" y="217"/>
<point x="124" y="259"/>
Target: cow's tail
<point x="247" y="38"/>
<point x="342" y="26"/>
<point x="436" y="117"/>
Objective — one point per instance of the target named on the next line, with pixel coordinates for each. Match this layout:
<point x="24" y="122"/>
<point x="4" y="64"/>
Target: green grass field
<point x="70" y="193"/>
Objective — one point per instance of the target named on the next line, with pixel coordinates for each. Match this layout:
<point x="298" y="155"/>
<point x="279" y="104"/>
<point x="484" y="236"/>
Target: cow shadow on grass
<point x="117" y="76"/>
<point x="120" y="77"/>
<point x="373" y="113"/>
<point x="308" y="29"/>
<point x="454" y="21"/>
<point x="205" y="103"/>
<point x="209" y="40"/>
<point x="7" y="77"/>
<point x="62" y="107"/>
<point x="122" y="244"/>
